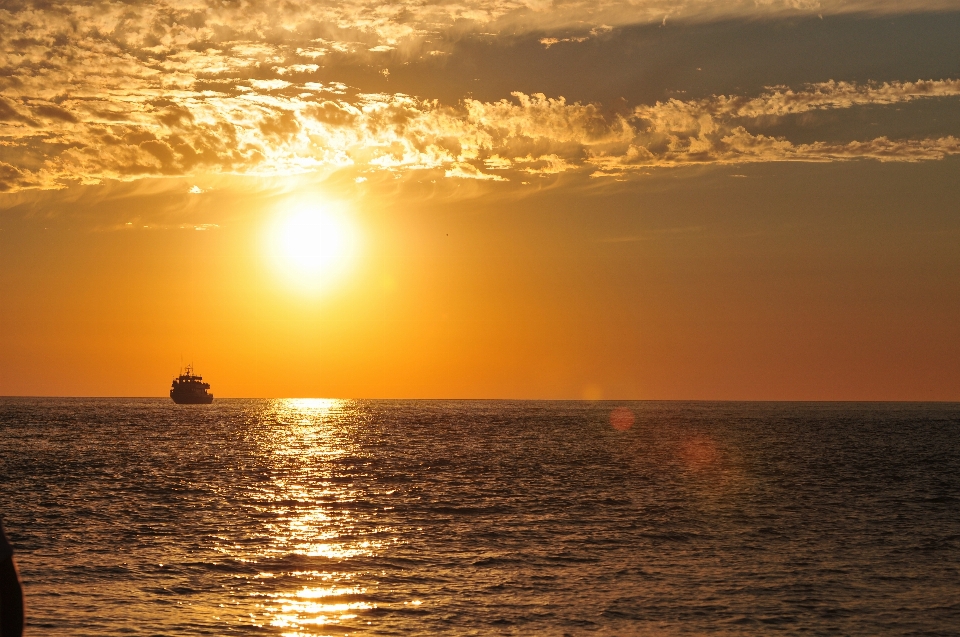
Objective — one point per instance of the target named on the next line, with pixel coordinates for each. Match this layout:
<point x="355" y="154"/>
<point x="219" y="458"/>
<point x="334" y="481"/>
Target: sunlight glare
<point x="312" y="244"/>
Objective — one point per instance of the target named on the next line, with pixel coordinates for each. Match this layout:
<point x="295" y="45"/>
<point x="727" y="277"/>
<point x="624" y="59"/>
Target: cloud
<point x="883" y="149"/>
<point x="464" y="170"/>
<point x="780" y="102"/>
<point x="135" y="90"/>
<point x="13" y="179"/>
<point x="549" y="42"/>
<point x="9" y="113"/>
<point x="148" y="88"/>
<point x="171" y="42"/>
<point x="715" y="130"/>
<point x="270" y="85"/>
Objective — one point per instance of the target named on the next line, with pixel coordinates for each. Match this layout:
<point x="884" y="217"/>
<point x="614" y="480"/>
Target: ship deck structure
<point x="189" y="389"/>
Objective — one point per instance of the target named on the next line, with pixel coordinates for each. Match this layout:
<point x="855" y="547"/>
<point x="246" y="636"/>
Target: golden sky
<point x="645" y="199"/>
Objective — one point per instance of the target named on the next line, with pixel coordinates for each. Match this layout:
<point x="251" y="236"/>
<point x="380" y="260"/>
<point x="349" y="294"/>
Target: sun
<point x="312" y="245"/>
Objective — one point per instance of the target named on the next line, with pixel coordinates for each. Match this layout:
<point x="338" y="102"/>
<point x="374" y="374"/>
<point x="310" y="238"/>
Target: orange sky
<point x="692" y="214"/>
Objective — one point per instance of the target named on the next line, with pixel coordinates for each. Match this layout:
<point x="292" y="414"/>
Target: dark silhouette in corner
<point x="11" y="593"/>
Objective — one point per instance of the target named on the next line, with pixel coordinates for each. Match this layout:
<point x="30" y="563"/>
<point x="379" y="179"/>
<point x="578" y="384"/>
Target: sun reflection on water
<point x="301" y="608"/>
<point x="310" y="514"/>
<point x="314" y="405"/>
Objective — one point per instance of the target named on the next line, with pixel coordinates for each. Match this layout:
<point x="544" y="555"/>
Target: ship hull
<point x="189" y="389"/>
<point x="205" y="399"/>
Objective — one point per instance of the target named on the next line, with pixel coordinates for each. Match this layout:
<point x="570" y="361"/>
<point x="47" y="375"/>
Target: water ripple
<point x="326" y="517"/>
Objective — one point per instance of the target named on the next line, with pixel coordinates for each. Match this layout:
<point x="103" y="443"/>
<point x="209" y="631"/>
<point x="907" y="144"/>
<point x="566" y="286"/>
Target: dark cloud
<point x="8" y="113"/>
<point x="282" y="126"/>
<point x="55" y="112"/>
<point x="13" y="179"/>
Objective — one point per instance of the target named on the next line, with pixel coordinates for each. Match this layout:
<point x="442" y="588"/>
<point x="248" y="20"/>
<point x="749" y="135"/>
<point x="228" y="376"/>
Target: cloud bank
<point x="124" y="90"/>
<point x="261" y="131"/>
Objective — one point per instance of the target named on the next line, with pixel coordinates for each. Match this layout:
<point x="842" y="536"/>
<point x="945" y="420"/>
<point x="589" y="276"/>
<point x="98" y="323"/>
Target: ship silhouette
<point x="189" y="389"/>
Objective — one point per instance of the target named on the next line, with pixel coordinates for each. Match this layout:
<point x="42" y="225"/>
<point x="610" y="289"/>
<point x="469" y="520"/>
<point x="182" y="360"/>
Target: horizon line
<point x="570" y="400"/>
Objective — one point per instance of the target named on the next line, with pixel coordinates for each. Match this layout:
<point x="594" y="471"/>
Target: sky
<point x="481" y="199"/>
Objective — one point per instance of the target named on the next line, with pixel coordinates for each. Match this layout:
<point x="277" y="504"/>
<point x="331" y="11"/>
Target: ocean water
<point x="325" y="517"/>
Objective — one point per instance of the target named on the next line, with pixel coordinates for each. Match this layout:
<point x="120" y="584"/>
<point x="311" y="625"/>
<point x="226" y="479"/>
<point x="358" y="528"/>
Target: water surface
<point x="322" y="517"/>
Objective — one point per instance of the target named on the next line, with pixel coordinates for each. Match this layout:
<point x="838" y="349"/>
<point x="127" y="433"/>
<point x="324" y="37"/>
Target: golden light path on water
<point x="309" y="513"/>
<point x="320" y="513"/>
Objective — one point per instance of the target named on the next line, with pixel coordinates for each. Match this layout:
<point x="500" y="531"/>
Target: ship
<point x="189" y="389"/>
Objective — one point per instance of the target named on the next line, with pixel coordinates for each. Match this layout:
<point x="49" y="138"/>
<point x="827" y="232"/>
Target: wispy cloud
<point x="782" y="101"/>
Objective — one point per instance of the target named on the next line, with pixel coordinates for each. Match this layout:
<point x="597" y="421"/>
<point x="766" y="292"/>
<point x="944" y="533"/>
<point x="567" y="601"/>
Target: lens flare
<point x="622" y="418"/>
<point x="699" y="452"/>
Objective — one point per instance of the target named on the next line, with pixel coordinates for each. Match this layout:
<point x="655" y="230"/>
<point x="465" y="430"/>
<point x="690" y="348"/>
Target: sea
<point x="319" y="517"/>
